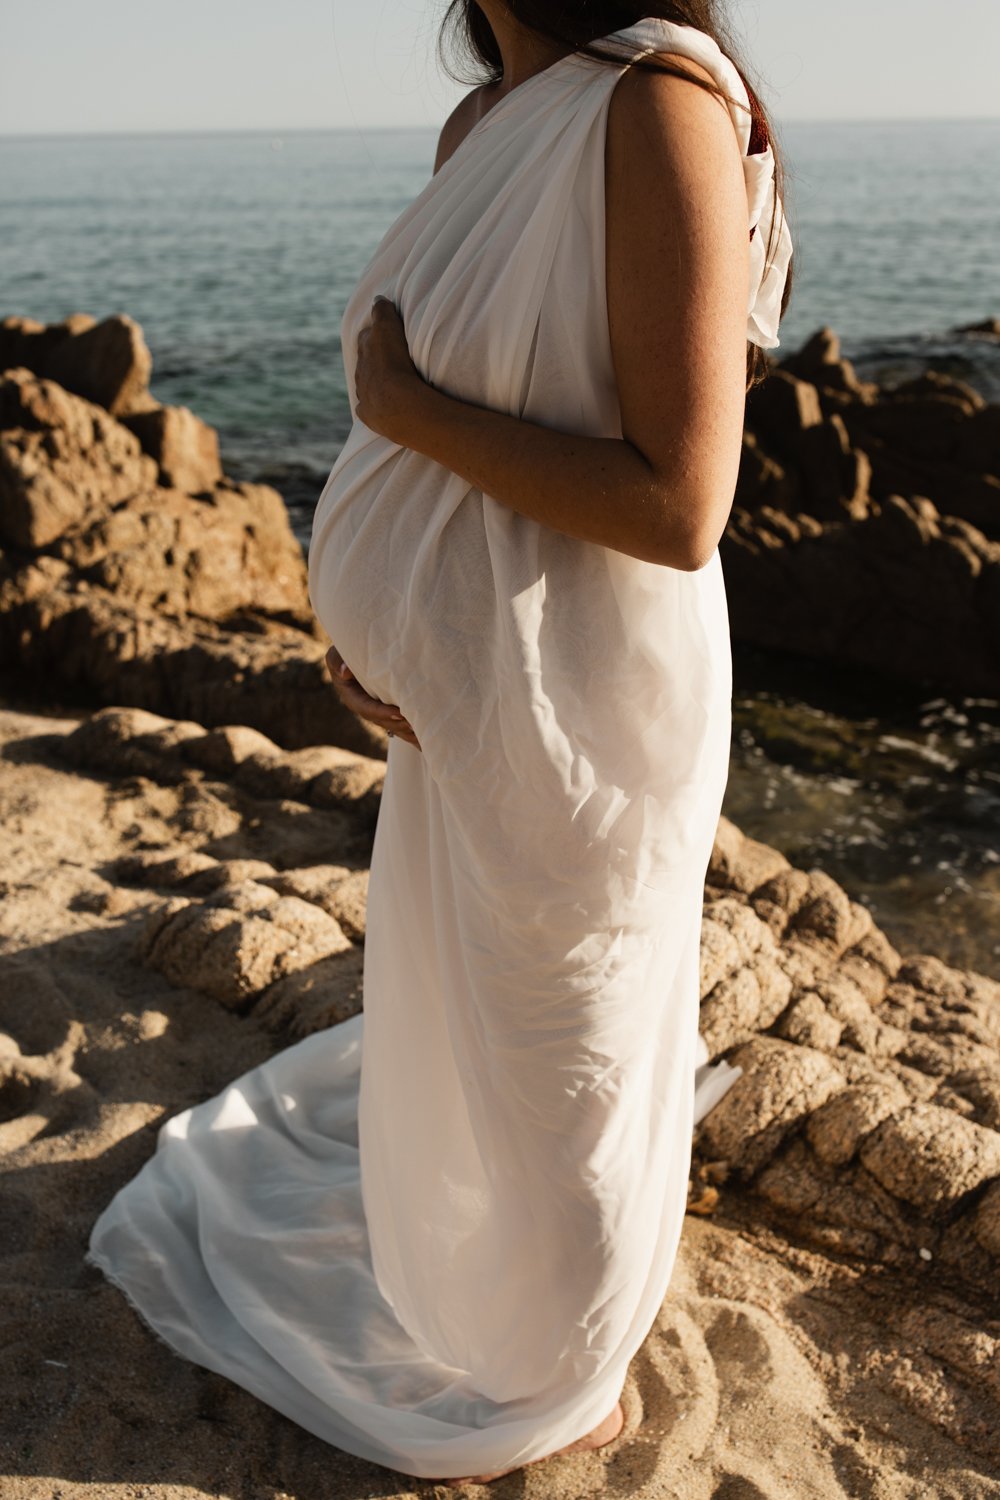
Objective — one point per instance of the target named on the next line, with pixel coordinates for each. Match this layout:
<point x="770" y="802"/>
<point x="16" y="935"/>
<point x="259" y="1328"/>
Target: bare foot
<point x="605" y="1432"/>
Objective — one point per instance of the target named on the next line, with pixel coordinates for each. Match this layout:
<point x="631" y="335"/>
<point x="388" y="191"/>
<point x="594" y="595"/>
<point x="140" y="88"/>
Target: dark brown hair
<point x="576" y="25"/>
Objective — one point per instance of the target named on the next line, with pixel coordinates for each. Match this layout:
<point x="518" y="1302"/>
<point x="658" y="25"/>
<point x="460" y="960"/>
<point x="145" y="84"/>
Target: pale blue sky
<point x="132" y="65"/>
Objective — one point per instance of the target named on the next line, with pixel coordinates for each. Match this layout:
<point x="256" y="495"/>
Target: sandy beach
<point x="775" y="1369"/>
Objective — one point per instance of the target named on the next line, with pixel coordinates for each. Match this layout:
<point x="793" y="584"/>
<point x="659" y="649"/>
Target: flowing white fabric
<point x="444" y="1260"/>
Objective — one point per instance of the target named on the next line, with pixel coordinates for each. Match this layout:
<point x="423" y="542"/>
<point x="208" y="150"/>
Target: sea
<point x="236" y="252"/>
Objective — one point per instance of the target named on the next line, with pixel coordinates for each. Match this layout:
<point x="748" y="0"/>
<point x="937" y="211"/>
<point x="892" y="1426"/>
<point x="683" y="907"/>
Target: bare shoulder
<point x="467" y="113"/>
<point x="671" y="116"/>
<point x="640" y="85"/>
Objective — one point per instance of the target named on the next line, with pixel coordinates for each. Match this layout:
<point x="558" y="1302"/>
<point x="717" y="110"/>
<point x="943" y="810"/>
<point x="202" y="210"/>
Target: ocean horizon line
<point x="280" y="131"/>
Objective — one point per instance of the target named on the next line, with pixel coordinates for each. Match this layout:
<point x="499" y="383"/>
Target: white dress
<point x="444" y="1260"/>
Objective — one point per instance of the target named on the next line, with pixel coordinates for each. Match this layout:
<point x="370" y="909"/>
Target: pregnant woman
<point x="437" y="1234"/>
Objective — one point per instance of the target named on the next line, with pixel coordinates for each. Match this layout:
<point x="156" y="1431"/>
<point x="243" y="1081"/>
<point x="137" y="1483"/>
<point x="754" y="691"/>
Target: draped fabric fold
<point x="436" y="1235"/>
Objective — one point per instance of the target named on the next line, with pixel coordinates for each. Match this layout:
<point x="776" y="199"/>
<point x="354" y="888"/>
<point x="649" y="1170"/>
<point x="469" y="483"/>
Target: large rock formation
<point x="867" y="1117"/>
<point x="866" y="529"/>
<point x="62" y="460"/>
<point x="109" y="362"/>
<point x="132" y="571"/>
<point x="868" y="1113"/>
<point x="866" y="526"/>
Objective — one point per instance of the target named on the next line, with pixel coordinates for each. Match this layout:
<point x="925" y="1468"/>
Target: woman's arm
<point x="677" y="281"/>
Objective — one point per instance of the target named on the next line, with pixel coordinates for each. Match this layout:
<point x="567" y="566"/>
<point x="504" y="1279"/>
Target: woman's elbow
<point x="689" y="550"/>
<point x="684" y="558"/>
<point x="689" y="524"/>
<point x="701" y="554"/>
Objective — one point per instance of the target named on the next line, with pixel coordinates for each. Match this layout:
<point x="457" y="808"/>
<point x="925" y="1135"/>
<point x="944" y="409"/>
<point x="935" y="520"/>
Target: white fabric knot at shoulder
<point x="765" y="211"/>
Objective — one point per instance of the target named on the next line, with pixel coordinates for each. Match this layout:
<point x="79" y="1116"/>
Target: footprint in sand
<point x="41" y="1093"/>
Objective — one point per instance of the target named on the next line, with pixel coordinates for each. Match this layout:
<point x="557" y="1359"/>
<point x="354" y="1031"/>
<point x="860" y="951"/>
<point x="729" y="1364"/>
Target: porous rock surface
<point x="866" y="1116"/>
<point x="279" y="940"/>
<point x="867" y="1113"/>
<point x="61" y="459"/>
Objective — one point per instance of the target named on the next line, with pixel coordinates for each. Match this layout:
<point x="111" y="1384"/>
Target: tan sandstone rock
<point x="108" y="363"/>
<point x="782" y="1085"/>
<point x="931" y="1157"/>
<point x="114" y="588"/>
<point x="185" y="448"/>
<point x="842" y="1131"/>
<point x="229" y="551"/>
<point x="61" y="459"/>
<point x="239" y="941"/>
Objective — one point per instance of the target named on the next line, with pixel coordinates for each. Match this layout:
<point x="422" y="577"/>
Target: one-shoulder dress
<point x="435" y="1235"/>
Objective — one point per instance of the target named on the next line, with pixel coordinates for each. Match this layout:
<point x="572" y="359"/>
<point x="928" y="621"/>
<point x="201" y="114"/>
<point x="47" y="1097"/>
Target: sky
<point x="276" y="65"/>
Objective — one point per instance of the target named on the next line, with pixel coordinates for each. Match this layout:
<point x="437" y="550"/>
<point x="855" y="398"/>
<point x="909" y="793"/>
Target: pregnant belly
<point x="399" y="569"/>
<point x="571" y="703"/>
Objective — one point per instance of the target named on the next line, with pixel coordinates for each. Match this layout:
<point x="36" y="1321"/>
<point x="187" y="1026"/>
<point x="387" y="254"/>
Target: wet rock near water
<point x="866" y="1120"/>
<point x="866" y="525"/>
<point x="868" y="1113"/>
<point x="132" y="571"/>
<point x="989" y="326"/>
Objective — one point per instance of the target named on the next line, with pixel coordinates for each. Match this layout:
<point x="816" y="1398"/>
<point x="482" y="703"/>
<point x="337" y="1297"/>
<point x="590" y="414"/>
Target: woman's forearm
<point x="598" y="489"/>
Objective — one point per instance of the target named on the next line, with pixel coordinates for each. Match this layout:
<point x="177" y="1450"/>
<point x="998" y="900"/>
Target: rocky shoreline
<point x="866" y="530"/>
<point x="866" y="527"/>
<point x="869" y="1107"/>
<point x="188" y="839"/>
<point x="132" y="571"/>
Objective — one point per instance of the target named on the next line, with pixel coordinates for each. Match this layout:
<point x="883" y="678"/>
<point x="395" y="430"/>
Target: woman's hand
<point x="353" y="696"/>
<point x="386" y="381"/>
